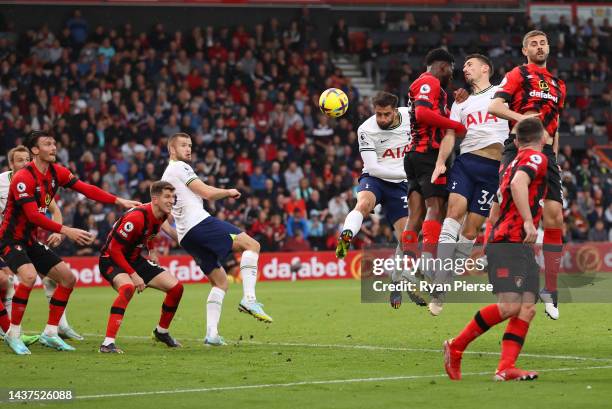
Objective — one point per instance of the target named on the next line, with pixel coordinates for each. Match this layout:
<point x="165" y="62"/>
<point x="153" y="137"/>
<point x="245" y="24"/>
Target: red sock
<point x="431" y="233"/>
<point x="125" y="293"/>
<point x="58" y="303"/>
<point x="5" y="323"/>
<point x="409" y="241"/>
<point x="171" y="302"/>
<point x="20" y="302"/>
<point x="553" y="249"/>
<point x="482" y="321"/>
<point x="512" y="342"/>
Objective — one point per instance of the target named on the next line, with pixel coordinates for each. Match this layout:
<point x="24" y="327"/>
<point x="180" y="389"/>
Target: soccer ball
<point x="333" y="102"/>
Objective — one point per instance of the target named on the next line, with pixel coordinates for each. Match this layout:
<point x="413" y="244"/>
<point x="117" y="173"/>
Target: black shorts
<point x="553" y="175"/>
<point x="419" y="167"/>
<point x="42" y="257"/>
<point x="146" y="269"/>
<point x="513" y="268"/>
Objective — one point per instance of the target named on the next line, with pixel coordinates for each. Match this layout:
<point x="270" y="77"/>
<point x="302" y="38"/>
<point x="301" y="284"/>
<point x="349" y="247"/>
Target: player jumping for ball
<point x="382" y="144"/>
<point x="530" y="89"/>
<point x="123" y="266"/>
<point x="513" y="270"/>
<point x="474" y="177"/>
<point x="210" y="240"/>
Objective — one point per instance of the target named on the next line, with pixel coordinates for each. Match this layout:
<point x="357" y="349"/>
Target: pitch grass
<point x="322" y="312"/>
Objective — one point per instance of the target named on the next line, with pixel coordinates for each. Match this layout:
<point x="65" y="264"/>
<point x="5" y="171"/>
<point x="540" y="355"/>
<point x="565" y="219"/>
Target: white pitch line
<point x="379" y="348"/>
<point x="309" y="383"/>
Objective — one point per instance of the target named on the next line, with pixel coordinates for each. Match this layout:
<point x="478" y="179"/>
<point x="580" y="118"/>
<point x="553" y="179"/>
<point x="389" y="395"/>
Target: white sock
<point x="248" y="269"/>
<point x="396" y="274"/>
<point x="107" y="341"/>
<point x="353" y="222"/>
<point x="450" y="231"/>
<point x="464" y="246"/>
<point x="162" y="330"/>
<point x="14" y="331"/>
<point x="213" y="311"/>
<point x="50" y="330"/>
<point x="10" y="291"/>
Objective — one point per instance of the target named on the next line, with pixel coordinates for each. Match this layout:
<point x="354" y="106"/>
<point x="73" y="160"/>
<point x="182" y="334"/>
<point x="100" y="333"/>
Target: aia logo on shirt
<point x="396" y="153"/>
<point x="480" y="117"/>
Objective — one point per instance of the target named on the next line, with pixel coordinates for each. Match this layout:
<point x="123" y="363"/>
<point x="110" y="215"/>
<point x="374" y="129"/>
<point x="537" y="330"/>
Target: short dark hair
<point x="484" y="59"/>
<point x="529" y="130"/>
<point x="33" y="137"/>
<point x="439" y="54"/>
<point x="385" y="99"/>
<point x="157" y="188"/>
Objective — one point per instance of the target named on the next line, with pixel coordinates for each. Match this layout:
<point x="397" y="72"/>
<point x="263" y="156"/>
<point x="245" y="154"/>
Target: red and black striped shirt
<point x="426" y="91"/>
<point x="509" y="227"/>
<point x="30" y="185"/>
<point x="130" y="234"/>
<point x="529" y="87"/>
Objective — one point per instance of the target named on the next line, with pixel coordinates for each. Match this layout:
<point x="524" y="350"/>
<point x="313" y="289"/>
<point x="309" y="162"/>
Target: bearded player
<point x="530" y="89"/>
<point x="123" y="266"/>
<point x="18" y="157"/>
<point x="210" y="240"/>
<point x="30" y="194"/>
<point x="474" y="177"/>
<point x="382" y="144"/>
<point x="513" y="270"/>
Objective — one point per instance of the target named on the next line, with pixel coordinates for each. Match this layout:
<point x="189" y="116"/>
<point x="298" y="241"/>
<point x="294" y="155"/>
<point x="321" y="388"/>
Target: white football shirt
<point x="188" y="210"/>
<point x="5" y="184"/>
<point x="390" y="145"/>
<point x="483" y="129"/>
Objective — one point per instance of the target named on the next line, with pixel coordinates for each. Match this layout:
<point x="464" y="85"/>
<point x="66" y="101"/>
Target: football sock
<point x="8" y="297"/>
<point x="248" y="270"/>
<point x="117" y="311"/>
<point x="512" y="342"/>
<point x="20" y="302"/>
<point x="353" y="222"/>
<point x="449" y="231"/>
<point x="171" y="302"/>
<point x="5" y="322"/>
<point x="49" y="286"/>
<point x="464" y="247"/>
<point x="482" y="321"/>
<point x="396" y="274"/>
<point x="57" y="305"/>
<point x="213" y="311"/>
<point x="553" y="249"/>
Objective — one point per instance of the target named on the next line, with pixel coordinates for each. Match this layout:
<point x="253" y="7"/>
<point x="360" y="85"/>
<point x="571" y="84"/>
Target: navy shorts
<point x="210" y="242"/>
<point x="476" y="178"/>
<point x="392" y="196"/>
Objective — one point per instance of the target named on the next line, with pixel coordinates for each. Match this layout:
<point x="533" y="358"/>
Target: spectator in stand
<point x="339" y="37"/>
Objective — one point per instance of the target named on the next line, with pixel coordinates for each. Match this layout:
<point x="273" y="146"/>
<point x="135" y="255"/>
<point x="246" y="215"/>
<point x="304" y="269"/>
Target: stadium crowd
<point x="112" y="96"/>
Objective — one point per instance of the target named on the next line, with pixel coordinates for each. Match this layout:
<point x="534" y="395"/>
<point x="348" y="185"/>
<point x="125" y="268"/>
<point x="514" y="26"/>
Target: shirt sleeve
<point x="185" y="173"/>
<point x="65" y="177"/>
<point x="426" y="92"/>
<point x="534" y="165"/>
<point x="23" y="188"/>
<point x="455" y="113"/>
<point x="366" y="143"/>
<point x="509" y="85"/>
<point x="127" y="233"/>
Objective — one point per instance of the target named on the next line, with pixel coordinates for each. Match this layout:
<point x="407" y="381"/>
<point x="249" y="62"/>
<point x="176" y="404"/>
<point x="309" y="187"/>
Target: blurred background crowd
<point x="248" y="96"/>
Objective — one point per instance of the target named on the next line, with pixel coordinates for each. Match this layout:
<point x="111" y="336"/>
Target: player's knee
<point x="364" y="206"/>
<point x="527" y="312"/>
<point x="127" y="291"/>
<point x="470" y="233"/>
<point x="509" y="309"/>
<point x="254" y="246"/>
<point x="28" y="278"/>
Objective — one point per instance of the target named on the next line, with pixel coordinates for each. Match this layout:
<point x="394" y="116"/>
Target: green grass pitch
<point x="324" y="350"/>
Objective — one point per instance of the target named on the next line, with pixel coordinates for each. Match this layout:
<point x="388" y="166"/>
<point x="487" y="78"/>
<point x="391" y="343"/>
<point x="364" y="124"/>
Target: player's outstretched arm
<point x="446" y="147"/>
<point x="170" y="231"/>
<point x="370" y="162"/>
<point x="55" y="239"/>
<point x="428" y="116"/>
<point x="79" y="236"/>
<point x="95" y="193"/>
<point x="520" y="195"/>
<point x="210" y="192"/>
